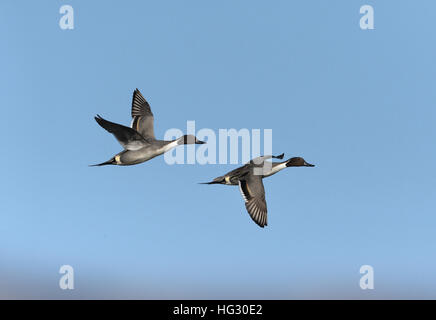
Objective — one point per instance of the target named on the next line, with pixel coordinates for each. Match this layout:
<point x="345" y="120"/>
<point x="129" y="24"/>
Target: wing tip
<point x="258" y="216"/>
<point x="260" y="224"/>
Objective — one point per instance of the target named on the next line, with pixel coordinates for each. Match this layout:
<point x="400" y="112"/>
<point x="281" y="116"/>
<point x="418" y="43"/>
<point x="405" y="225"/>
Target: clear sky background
<point x="358" y="104"/>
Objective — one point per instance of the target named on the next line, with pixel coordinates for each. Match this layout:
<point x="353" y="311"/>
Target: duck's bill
<point x="308" y="164"/>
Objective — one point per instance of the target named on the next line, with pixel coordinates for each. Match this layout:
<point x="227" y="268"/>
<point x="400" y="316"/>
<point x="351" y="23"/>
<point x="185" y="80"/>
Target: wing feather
<point x="142" y="117"/>
<point x="130" y="139"/>
<point x="253" y="193"/>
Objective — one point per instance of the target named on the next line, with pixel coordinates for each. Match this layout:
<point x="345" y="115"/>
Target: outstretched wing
<point x="253" y="192"/>
<point x="127" y="137"/>
<point x="142" y="116"/>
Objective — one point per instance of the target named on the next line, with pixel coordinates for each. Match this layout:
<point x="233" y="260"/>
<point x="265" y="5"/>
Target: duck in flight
<point x="139" y="142"/>
<point x="249" y="179"/>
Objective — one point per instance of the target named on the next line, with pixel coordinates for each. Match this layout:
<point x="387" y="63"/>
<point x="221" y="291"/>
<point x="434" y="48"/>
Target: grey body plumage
<point x="138" y="141"/>
<point x="249" y="179"/>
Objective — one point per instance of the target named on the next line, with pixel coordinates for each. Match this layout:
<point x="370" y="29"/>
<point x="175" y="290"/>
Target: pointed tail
<point x="111" y="161"/>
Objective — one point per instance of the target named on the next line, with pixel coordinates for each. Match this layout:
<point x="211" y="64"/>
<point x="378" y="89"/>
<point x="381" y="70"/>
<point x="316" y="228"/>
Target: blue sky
<point x="358" y="104"/>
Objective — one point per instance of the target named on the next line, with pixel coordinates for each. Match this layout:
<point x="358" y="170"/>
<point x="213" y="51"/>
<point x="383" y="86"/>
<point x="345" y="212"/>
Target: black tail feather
<point x="111" y="161"/>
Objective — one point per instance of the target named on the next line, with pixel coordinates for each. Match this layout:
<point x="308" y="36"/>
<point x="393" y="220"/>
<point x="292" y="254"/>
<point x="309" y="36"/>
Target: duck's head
<point x="298" y="162"/>
<point x="189" y="139"/>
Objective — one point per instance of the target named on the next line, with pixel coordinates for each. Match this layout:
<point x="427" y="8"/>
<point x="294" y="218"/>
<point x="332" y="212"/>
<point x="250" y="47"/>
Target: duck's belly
<point x="131" y="157"/>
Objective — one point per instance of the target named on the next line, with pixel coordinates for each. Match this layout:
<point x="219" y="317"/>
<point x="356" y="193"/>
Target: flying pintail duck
<point x="250" y="182"/>
<point x="139" y="142"/>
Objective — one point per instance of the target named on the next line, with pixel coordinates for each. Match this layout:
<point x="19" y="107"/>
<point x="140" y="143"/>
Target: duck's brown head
<point x="298" y="162"/>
